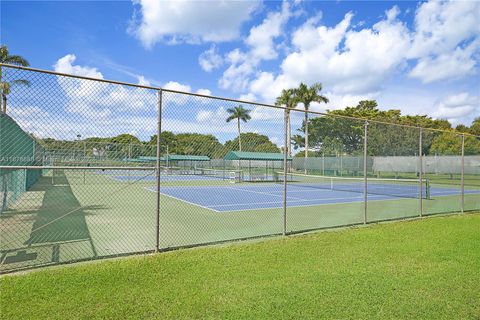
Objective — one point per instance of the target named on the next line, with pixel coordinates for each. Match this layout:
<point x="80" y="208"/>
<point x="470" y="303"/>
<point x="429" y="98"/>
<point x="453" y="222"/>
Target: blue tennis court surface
<point x="164" y="178"/>
<point x="237" y="197"/>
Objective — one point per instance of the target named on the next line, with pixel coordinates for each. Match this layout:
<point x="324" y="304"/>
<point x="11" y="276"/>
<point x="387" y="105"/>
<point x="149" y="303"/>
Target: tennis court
<point x="241" y="197"/>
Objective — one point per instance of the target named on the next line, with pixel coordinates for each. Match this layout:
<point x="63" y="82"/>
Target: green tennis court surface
<point x="83" y="215"/>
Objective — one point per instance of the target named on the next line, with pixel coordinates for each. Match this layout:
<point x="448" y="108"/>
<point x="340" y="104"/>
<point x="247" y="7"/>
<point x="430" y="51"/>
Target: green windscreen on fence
<point x="17" y="148"/>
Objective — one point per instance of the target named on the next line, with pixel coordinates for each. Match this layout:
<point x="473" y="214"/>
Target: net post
<point x="157" y="173"/>
<point x="285" y="159"/>
<point x="323" y="163"/>
<point x="463" y="173"/>
<point x="420" y="174"/>
<point x="365" y="183"/>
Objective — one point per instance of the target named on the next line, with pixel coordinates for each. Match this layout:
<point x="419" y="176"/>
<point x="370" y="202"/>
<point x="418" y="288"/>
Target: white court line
<point x="308" y="205"/>
<point x="301" y="200"/>
<point x="259" y="192"/>
<point x="194" y="204"/>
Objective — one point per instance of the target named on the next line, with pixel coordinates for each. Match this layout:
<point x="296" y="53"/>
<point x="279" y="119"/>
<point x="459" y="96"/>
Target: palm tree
<point x="239" y="113"/>
<point x="307" y="95"/>
<point x="288" y="99"/>
<point x="5" y="57"/>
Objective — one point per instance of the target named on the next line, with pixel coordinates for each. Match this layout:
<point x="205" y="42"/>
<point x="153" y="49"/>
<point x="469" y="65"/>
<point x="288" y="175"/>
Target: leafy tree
<point x="197" y="144"/>
<point x="252" y="142"/>
<point x="307" y="95"/>
<point x="336" y="135"/>
<point x="462" y="128"/>
<point x="267" y="147"/>
<point x="447" y="143"/>
<point x="125" y="138"/>
<point x="311" y="154"/>
<point x="168" y="142"/>
<point x="288" y="99"/>
<point x="6" y="57"/>
<point x="239" y="113"/>
<point x="475" y="127"/>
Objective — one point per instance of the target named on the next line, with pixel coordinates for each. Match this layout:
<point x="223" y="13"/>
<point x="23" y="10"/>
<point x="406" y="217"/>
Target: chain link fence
<point x="92" y="169"/>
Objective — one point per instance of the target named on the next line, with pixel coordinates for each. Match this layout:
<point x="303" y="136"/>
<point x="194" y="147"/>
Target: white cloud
<point x="261" y="37"/>
<point x="65" y="65"/>
<point x="204" y="92"/>
<point x="212" y="116"/>
<point x="453" y="65"/>
<point x="441" y="25"/>
<point x="91" y="98"/>
<point x="143" y="81"/>
<point x="340" y="101"/>
<point x="210" y="59"/>
<point x="458" y="106"/>
<point x="173" y="85"/>
<point x="189" y="21"/>
<point x="344" y="60"/>
<point x="261" y="47"/>
<point x="267" y="114"/>
<point x="446" y="40"/>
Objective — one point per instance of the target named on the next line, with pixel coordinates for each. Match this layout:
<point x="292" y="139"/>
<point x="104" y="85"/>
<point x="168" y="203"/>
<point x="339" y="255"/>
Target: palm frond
<point x="22" y="82"/>
<point x="16" y="60"/>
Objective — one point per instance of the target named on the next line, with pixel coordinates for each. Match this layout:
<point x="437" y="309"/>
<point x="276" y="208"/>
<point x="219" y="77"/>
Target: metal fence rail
<point x="88" y="170"/>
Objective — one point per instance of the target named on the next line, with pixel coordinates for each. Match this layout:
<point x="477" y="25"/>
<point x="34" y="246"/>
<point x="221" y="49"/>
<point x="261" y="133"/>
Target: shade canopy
<point x="175" y="157"/>
<point x="264" y="156"/>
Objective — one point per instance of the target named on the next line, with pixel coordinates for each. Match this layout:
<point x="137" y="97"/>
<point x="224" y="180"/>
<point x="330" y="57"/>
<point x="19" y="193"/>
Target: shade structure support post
<point x="420" y="172"/>
<point x="365" y="180"/>
<point x="285" y="160"/>
<point x="463" y="174"/>
<point x="157" y="171"/>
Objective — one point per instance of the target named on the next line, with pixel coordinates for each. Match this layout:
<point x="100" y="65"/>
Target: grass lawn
<point x="420" y="269"/>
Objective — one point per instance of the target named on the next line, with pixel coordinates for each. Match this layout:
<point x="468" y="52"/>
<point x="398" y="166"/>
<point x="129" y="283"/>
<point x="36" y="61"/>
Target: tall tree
<point x="6" y="57"/>
<point x="239" y="113"/>
<point x="288" y="99"/>
<point x="252" y="142"/>
<point x="307" y="95"/>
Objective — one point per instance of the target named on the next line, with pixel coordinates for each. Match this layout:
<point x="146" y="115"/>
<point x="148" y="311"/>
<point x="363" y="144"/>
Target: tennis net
<point x="404" y="188"/>
<point x="224" y="174"/>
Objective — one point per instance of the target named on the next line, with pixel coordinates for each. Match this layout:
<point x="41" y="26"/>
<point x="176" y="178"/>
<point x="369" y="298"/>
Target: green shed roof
<point x="145" y="158"/>
<point x="134" y="160"/>
<point x="244" y="155"/>
<point x="186" y="157"/>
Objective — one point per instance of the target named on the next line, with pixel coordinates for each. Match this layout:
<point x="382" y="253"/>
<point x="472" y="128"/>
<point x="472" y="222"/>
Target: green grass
<point x="419" y="269"/>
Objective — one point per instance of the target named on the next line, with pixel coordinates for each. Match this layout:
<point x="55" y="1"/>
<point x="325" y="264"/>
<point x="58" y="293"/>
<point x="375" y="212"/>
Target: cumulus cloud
<point x="204" y="92"/>
<point x="446" y="40"/>
<point x="210" y="59"/>
<point x="441" y="25"/>
<point x="346" y="61"/>
<point x="261" y="46"/>
<point x="91" y="99"/>
<point x="189" y="21"/>
<point x="355" y="62"/>
<point x="451" y="66"/>
<point x="173" y="85"/>
<point x="65" y="65"/>
<point x="212" y="116"/>
<point x="457" y="106"/>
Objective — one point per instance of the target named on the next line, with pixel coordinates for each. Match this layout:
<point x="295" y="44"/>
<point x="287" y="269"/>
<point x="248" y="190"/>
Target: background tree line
<point x="333" y="136"/>
<point x="126" y="145"/>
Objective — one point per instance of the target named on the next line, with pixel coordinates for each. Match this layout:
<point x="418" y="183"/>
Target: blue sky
<point x="419" y="57"/>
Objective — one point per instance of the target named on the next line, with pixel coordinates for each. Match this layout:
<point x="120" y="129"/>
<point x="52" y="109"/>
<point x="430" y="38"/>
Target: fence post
<point x="365" y="181"/>
<point x="463" y="173"/>
<point x="420" y="175"/>
<point x="157" y="170"/>
<point x="285" y="160"/>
